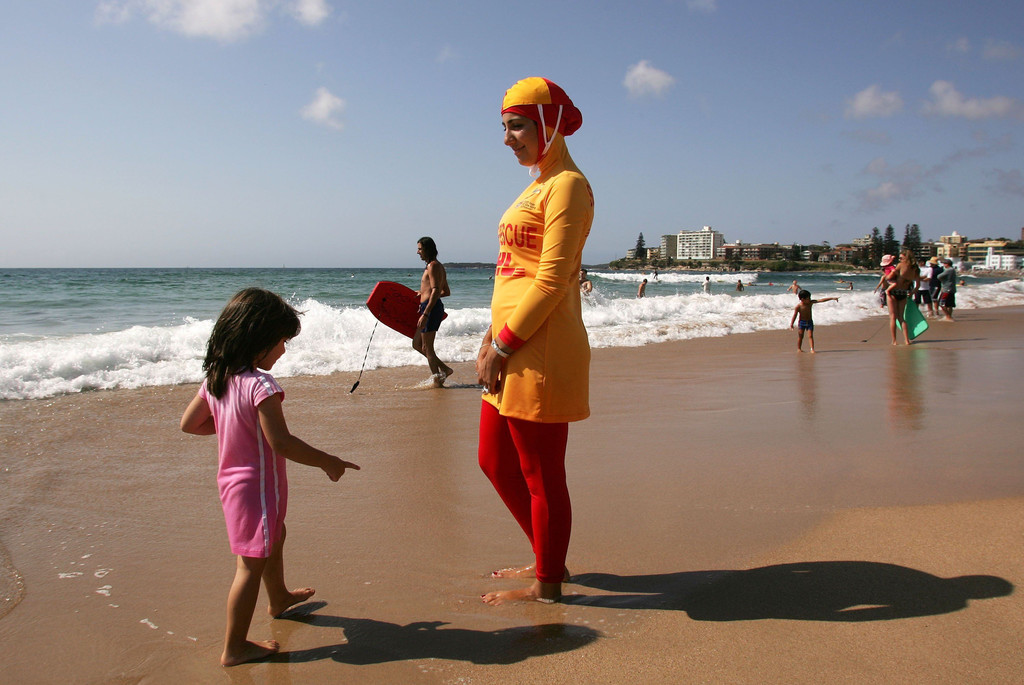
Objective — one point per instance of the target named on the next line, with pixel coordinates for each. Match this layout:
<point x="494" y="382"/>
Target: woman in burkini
<point x="242" y="405"/>
<point x="902" y="282"/>
<point x="534" y="362"/>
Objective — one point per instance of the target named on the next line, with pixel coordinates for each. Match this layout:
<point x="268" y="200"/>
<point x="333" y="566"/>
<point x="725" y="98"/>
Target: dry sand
<point x="742" y="514"/>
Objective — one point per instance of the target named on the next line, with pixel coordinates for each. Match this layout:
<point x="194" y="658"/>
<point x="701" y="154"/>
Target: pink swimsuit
<point x="251" y="478"/>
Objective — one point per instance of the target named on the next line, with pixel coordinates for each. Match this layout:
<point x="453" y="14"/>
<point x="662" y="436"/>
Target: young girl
<point x="242" y="405"/>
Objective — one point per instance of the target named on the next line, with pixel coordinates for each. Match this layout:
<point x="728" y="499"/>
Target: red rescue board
<point x="396" y="306"/>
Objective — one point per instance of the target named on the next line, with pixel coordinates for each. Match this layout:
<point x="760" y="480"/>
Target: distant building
<point x="669" y="246"/>
<point x="1002" y="262"/>
<point x="949" y="246"/>
<point x="978" y="252"/>
<point x="649" y="253"/>
<point x="847" y="253"/>
<point x="746" y="252"/>
<point x="699" y="245"/>
<point x="926" y="251"/>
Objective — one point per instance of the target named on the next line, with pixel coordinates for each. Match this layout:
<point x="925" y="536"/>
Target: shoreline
<point x="704" y="460"/>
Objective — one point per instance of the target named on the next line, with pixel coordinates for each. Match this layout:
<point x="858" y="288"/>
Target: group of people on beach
<point x="924" y="281"/>
<point x="533" y="365"/>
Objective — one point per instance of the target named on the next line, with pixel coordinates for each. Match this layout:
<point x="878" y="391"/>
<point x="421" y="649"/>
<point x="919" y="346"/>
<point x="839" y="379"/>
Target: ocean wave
<point x="667" y="277"/>
<point x="335" y="339"/>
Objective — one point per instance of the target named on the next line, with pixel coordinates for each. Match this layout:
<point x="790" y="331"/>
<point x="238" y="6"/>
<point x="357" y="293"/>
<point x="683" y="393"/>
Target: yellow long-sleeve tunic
<point x="537" y="297"/>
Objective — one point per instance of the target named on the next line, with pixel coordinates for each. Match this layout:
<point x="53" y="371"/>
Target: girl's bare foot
<point x="286" y="602"/>
<point x="250" y="651"/>
<point x="548" y="593"/>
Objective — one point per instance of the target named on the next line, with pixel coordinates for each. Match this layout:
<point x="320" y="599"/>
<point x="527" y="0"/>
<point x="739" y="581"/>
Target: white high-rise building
<point x="669" y="245"/>
<point x="702" y="244"/>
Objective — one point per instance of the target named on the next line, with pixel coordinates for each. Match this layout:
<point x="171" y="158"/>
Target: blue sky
<point x="336" y="133"/>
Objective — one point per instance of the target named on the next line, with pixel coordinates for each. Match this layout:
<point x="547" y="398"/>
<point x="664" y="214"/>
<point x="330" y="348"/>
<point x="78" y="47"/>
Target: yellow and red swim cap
<point x="545" y="103"/>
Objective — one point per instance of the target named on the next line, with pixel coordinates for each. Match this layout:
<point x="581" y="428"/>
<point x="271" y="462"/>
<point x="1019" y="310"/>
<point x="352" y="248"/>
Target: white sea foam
<point x="334" y="339"/>
<point x="689" y="278"/>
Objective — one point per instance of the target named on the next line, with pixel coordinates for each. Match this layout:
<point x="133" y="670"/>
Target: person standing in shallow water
<point x="242" y="405"/>
<point x="534" y="361"/>
<point x="433" y="286"/>
<point x="902" y="282"/>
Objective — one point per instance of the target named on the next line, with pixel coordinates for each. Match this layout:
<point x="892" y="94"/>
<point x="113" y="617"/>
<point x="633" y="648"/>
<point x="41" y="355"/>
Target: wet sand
<point x="742" y="513"/>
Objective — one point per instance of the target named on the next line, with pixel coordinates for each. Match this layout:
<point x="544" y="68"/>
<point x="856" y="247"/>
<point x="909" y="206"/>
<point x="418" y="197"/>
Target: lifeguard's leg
<point x="499" y="461"/>
<point x="541" y="448"/>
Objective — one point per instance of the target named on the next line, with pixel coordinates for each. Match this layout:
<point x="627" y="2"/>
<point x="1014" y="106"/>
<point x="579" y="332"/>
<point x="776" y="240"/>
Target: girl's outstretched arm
<point x="290" y="447"/>
<point x="197" y="418"/>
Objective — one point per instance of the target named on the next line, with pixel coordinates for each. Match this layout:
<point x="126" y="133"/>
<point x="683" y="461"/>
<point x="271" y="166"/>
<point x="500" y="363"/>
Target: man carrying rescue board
<point x="433" y="286"/>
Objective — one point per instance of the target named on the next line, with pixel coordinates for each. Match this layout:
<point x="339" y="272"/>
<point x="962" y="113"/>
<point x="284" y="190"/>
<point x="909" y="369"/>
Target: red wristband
<point x="510" y="339"/>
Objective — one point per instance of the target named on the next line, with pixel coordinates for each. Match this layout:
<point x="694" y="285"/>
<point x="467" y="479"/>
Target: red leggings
<point x="525" y="461"/>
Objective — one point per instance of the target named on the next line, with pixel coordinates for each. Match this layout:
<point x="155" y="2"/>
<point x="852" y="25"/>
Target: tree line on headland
<point x="791" y="257"/>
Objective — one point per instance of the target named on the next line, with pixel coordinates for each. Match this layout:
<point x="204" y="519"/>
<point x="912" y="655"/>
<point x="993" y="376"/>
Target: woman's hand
<point x="489" y="366"/>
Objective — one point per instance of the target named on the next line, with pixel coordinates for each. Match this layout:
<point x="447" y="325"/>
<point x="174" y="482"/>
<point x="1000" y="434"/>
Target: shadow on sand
<point x="808" y="591"/>
<point x="373" y="642"/>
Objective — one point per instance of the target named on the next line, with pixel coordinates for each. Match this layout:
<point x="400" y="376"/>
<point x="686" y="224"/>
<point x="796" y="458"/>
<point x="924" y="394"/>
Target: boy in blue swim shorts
<point x="803" y="310"/>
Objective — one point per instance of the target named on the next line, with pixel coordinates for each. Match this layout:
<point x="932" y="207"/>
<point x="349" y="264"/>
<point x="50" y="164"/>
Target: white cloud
<point x="643" y="79"/>
<point x="960" y="46"/>
<point x="113" y="12"/>
<point x="324" y="109"/>
<point x="948" y="102"/>
<point x="310" y="12"/>
<point x="1000" y="50"/>
<point x="223" y="20"/>
<point x="872" y="102"/>
<point x="446" y="54"/>
<point x="896" y="184"/>
<point x="896" y="40"/>
<point x="703" y="6"/>
<point x="911" y="179"/>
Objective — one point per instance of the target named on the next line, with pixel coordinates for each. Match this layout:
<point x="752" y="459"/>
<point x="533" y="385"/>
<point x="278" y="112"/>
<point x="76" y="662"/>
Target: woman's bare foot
<point x="279" y="606"/>
<point x="528" y="571"/>
<point x="548" y="593"/>
<point x="250" y="651"/>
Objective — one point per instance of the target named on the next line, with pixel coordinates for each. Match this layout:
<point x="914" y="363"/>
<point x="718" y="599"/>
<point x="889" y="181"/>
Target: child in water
<point x="242" y="405"/>
<point x="803" y="310"/>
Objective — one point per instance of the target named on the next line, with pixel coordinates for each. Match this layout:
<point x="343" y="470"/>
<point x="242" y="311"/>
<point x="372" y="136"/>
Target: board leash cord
<point x="356" y="384"/>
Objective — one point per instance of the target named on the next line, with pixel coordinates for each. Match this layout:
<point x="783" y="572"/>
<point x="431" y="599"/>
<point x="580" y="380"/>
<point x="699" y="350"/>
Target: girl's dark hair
<point x="253" y="321"/>
<point x="429" y="247"/>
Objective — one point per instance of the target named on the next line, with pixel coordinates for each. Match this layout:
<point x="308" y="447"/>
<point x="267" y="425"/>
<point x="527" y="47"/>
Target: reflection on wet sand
<point x="908" y="404"/>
